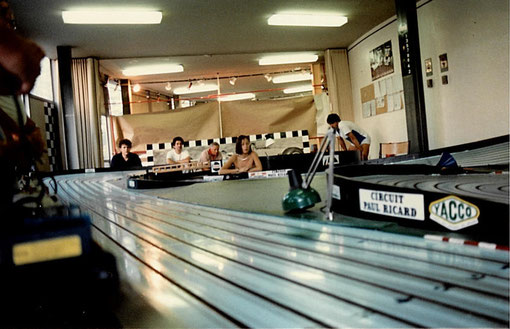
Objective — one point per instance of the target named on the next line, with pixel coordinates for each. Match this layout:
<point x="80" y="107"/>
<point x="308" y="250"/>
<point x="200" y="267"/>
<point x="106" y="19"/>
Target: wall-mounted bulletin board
<point x="382" y="96"/>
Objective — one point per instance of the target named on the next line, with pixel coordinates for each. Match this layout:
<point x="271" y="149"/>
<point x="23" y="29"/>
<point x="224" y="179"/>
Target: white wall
<point x="387" y="127"/>
<point x="475" y="104"/>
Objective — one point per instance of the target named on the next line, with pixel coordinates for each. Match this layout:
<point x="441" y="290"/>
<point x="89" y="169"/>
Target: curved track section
<point x="206" y="267"/>
<point x="491" y="155"/>
<point x="491" y="187"/>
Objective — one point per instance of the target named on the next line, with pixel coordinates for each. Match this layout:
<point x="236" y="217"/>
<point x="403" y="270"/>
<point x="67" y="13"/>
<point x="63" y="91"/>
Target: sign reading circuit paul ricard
<point x="395" y="204"/>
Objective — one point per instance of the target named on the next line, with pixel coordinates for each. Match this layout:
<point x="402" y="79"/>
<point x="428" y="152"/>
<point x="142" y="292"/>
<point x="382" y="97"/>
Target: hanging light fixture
<point x="298" y="89"/>
<point x="168" y="86"/>
<point x="195" y="89"/>
<point x="232" y="81"/>
<point x="236" y="97"/>
<point x="152" y="69"/>
<point x="112" y="16"/>
<point x="292" y="77"/>
<point x="268" y="77"/>
<point x="288" y="59"/>
<point x="329" y="20"/>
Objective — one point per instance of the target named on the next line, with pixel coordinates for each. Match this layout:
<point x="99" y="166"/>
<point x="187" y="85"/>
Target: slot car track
<point x="201" y="266"/>
<point x="471" y="202"/>
<point x="491" y="187"/>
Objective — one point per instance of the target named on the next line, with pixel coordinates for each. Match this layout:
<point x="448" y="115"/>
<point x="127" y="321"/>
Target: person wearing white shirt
<point x="351" y="132"/>
<point x="177" y="154"/>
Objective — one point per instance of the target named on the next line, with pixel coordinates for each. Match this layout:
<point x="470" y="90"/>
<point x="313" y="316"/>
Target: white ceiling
<point x="208" y="37"/>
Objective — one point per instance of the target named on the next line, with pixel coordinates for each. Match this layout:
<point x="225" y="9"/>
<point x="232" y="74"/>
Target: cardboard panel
<point x="202" y="121"/>
<point x="261" y="117"/>
<point x="199" y="122"/>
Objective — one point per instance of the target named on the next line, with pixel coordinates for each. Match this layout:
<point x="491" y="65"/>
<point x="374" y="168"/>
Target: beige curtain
<point x="88" y="105"/>
<point x="339" y="83"/>
<point x="198" y="122"/>
<point x="268" y="116"/>
<point x="203" y="122"/>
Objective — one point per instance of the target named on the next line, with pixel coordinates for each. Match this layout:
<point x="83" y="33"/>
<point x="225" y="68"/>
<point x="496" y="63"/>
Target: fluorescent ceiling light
<point x="299" y="89"/>
<point x="288" y="59"/>
<point x="152" y="69"/>
<point x="291" y="77"/>
<point x="307" y="20"/>
<point x="236" y="97"/>
<point x="111" y="16"/>
<point x="195" y="89"/>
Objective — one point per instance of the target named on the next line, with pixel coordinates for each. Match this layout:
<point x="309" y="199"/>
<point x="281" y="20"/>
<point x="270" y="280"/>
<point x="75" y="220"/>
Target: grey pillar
<point x="409" y="43"/>
<point x="66" y="94"/>
<point x="124" y="88"/>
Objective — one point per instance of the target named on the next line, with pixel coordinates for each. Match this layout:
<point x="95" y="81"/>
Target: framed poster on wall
<point x="381" y="61"/>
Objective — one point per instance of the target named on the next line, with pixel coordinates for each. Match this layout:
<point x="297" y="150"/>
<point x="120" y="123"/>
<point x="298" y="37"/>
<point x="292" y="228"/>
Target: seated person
<point x="177" y="154"/>
<point x="211" y="154"/>
<point x="244" y="160"/>
<point x="125" y="159"/>
<point x="352" y="132"/>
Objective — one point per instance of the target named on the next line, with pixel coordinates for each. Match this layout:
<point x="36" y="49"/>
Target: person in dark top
<point x="125" y="159"/>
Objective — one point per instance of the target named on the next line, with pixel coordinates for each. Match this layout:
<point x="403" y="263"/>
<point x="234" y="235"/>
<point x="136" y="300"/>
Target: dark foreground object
<point x="52" y="274"/>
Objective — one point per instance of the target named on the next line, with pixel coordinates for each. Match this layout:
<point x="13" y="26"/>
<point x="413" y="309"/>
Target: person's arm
<point x="114" y="163"/>
<point x="19" y="62"/>
<point x="203" y="157"/>
<point x="226" y="167"/>
<point x="185" y="160"/>
<point x="137" y="161"/>
<point x="204" y="160"/>
<point x="169" y="158"/>
<point x="256" y="162"/>
<point x="354" y="141"/>
<point x="341" y="141"/>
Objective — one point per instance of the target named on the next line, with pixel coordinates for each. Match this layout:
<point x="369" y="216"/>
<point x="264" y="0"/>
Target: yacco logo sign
<point x="454" y="213"/>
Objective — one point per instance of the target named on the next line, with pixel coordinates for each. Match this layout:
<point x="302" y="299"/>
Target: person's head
<point x="243" y="145"/>
<point x="125" y="146"/>
<point x="177" y="144"/>
<point x="6" y="15"/>
<point x="214" y="148"/>
<point x="333" y="120"/>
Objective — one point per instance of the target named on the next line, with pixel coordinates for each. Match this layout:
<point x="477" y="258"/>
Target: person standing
<point x="177" y="155"/>
<point x="125" y="159"/>
<point x="351" y="132"/>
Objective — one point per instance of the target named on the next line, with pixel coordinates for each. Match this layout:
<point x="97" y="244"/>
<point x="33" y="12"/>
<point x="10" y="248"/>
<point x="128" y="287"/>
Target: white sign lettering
<point x="395" y="204"/>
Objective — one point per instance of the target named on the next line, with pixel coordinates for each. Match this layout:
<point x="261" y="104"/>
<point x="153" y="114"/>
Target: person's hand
<point x="19" y="63"/>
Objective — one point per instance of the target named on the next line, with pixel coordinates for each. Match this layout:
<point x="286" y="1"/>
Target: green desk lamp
<point x="301" y="196"/>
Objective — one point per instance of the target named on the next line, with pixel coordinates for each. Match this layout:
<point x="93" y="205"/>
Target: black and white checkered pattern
<point x="149" y="156"/>
<point x="52" y="139"/>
